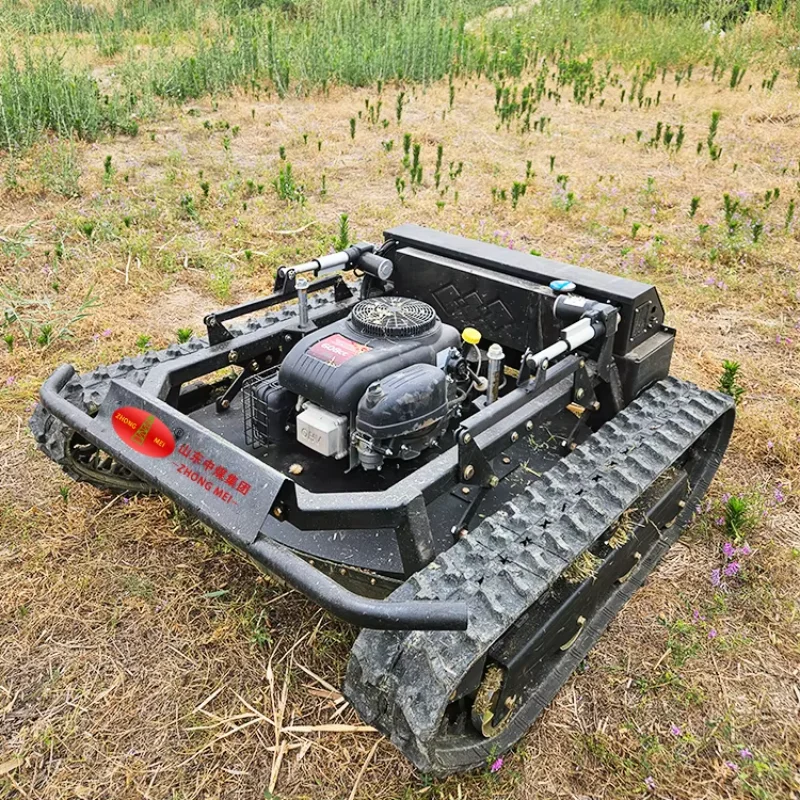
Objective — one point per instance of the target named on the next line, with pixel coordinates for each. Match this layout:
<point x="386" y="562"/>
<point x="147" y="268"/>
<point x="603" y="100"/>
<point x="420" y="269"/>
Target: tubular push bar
<point x="283" y="562"/>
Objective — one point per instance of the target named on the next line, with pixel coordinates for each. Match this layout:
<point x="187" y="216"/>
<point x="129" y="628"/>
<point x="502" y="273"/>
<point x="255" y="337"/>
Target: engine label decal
<point x="335" y="350"/>
<point x="143" y="431"/>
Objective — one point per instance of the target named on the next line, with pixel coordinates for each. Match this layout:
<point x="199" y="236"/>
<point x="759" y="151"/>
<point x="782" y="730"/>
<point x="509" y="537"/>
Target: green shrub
<point x="42" y="96"/>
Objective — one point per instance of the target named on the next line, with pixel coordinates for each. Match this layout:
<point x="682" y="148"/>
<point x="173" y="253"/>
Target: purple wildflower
<point x="731" y="569"/>
<point x="715" y="577"/>
<point x="107" y="332"/>
<point x="745" y="550"/>
<point x="728" y="550"/>
<point x="675" y="730"/>
<point x="710" y="281"/>
<point x="730" y="765"/>
<point x="10" y="380"/>
<point x="720" y="521"/>
<point x="497" y="766"/>
<point x="650" y="783"/>
<point x="725" y="497"/>
<point x="712" y="634"/>
<point x="696" y="614"/>
<point x="745" y="753"/>
<point x="779" y="495"/>
<point x="770" y="444"/>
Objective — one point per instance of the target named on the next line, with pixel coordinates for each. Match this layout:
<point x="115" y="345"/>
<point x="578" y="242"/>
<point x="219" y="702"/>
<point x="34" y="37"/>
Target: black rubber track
<point x="402" y="682"/>
<point x="88" y="391"/>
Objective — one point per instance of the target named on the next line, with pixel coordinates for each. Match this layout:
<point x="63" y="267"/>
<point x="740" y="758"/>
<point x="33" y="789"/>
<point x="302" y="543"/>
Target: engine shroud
<point x="333" y="367"/>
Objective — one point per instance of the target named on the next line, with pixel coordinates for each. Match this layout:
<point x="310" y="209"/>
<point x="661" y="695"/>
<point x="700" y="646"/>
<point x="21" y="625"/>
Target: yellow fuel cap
<point x="471" y="335"/>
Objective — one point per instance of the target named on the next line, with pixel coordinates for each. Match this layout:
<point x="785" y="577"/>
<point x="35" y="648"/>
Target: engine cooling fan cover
<point x="393" y="317"/>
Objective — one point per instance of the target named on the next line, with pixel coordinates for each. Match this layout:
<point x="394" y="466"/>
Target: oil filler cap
<point x="471" y="335"/>
<point x="562" y="287"/>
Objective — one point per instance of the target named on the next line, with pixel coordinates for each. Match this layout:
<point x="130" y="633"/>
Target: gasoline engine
<point x="383" y="383"/>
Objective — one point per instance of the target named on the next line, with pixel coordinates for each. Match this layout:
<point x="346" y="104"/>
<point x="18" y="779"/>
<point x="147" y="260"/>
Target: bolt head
<point x="514" y="436"/>
<point x="579" y="393"/>
<point x="529" y="425"/>
<point x="254" y="366"/>
<point x="467" y="438"/>
<point x="233" y="356"/>
<point x="469" y="471"/>
<point x="493" y="481"/>
<point x="301" y="284"/>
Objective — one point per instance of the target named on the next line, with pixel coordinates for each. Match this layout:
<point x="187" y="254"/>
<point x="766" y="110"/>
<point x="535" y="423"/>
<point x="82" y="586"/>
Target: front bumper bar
<point x="235" y="501"/>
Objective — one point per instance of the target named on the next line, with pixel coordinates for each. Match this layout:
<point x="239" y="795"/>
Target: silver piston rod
<point x="572" y="337"/>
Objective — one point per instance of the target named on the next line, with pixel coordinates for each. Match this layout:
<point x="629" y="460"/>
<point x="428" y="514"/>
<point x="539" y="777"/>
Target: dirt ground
<point x="142" y="658"/>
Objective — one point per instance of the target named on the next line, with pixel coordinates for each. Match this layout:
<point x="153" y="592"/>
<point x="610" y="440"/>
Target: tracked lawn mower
<point x="473" y="454"/>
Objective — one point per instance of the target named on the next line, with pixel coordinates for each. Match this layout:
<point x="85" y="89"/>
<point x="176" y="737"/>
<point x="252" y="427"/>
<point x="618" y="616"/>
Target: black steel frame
<point x="402" y="507"/>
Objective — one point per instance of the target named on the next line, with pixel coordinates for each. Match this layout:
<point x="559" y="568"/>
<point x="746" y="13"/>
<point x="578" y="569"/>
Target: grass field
<point x="159" y="160"/>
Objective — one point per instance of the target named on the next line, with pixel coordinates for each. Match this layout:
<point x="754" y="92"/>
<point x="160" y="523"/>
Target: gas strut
<point x="587" y="319"/>
<point x="360" y="256"/>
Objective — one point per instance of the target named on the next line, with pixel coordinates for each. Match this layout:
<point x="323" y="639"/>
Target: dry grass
<point x="139" y="657"/>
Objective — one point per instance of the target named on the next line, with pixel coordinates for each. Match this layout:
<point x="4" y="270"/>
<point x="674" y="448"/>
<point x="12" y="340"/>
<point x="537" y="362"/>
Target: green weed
<point x="342" y="239"/>
<point x="729" y="380"/>
<point x="286" y="186"/>
<point x="39" y="320"/>
<point x="740" y="517"/>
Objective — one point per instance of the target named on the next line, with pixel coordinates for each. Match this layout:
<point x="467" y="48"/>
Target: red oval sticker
<point x="143" y="431"/>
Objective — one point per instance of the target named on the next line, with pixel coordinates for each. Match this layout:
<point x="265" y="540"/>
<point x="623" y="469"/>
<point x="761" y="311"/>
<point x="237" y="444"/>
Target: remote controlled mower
<point x="473" y="454"/>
